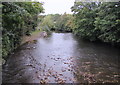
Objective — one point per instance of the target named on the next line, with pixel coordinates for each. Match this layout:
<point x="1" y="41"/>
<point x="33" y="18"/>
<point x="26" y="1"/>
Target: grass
<point x="35" y="32"/>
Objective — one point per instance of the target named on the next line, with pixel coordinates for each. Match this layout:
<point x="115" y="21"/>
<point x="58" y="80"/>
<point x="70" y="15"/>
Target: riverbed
<point x="63" y="58"/>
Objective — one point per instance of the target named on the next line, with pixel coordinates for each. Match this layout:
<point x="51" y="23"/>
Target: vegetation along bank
<point x="91" y="21"/>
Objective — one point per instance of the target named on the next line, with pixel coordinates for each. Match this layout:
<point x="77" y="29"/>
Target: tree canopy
<point x="97" y="21"/>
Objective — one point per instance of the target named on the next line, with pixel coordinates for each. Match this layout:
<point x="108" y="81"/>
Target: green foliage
<point x="18" y="19"/>
<point x="47" y="23"/>
<point x="85" y="17"/>
<point x="108" y="22"/>
<point x="58" y="22"/>
<point x="97" y="21"/>
<point x="64" y="23"/>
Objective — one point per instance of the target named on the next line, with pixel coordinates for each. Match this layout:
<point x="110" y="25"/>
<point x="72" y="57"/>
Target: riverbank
<point x="34" y="36"/>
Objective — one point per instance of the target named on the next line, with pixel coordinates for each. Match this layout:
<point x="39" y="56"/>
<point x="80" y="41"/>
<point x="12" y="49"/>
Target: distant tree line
<point x="57" y="22"/>
<point x="18" y="19"/>
<point x="97" y="21"/>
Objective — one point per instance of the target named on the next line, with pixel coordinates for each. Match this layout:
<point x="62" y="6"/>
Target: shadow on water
<point x="62" y="58"/>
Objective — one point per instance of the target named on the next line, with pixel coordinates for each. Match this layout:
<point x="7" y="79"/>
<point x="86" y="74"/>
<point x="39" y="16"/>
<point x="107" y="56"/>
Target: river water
<point x="62" y="58"/>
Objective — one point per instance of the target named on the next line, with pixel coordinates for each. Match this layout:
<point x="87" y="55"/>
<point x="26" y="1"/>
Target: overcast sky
<point x="57" y="6"/>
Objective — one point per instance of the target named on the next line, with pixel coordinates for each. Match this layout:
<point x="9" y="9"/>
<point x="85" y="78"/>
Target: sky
<point x="57" y="6"/>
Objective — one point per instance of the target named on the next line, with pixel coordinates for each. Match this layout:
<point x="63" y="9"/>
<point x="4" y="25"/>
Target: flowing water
<point x="63" y="58"/>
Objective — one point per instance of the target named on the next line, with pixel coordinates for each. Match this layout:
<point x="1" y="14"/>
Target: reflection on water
<point x="63" y="58"/>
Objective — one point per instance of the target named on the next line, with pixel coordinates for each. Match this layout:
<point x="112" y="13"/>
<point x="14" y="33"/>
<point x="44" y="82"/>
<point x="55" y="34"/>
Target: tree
<point x="108" y="22"/>
<point x="18" y="19"/>
<point x="85" y="14"/>
<point x="47" y="23"/>
<point x="57" y="22"/>
<point x="97" y="21"/>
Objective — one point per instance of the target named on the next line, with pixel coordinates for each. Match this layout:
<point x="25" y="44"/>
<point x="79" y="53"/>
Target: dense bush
<point x="18" y="19"/>
<point x="97" y="21"/>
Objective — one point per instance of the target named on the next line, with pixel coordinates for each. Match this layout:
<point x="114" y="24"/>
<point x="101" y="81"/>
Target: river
<point x="62" y="58"/>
